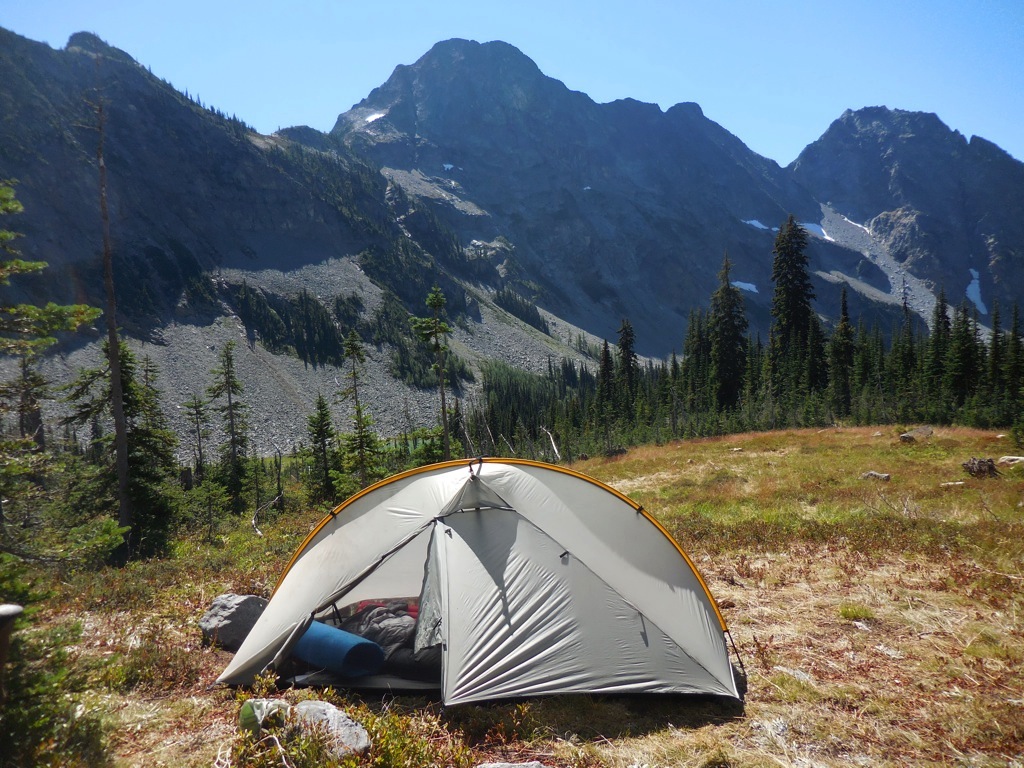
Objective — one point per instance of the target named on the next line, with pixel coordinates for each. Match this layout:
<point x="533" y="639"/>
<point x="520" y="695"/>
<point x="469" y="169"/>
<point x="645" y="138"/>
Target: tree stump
<point x="981" y="467"/>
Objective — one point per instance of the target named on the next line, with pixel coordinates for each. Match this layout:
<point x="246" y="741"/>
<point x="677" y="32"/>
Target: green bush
<point x="44" y="722"/>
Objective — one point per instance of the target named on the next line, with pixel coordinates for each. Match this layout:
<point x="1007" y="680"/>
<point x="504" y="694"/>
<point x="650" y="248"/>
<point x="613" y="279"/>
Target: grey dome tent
<point x="526" y="579"/>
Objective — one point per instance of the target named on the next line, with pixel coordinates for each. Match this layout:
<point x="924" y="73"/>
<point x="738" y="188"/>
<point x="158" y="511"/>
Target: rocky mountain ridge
<point x="473" y="169"/>
<point x="648" y="201"/>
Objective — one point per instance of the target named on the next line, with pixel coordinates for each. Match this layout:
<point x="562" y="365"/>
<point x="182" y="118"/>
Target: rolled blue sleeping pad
<point x="338" y="651"/>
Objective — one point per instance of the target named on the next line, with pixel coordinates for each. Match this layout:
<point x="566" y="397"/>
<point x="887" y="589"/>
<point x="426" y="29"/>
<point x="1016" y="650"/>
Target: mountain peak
<point x="458" y="83"/>
<point x="496" y="53"/>
<point x="90" y="43"/>
<point x="470" y="66"/>
<point x="884" y="122"/>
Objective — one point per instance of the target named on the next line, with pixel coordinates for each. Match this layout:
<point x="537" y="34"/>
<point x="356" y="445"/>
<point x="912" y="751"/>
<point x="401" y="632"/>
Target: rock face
<point x="615" y="209"/>
<point x="950" y="210"/>
<point x="622" y="209"/>
<point x="229" y="618"/>
<point x="191" y="191"/>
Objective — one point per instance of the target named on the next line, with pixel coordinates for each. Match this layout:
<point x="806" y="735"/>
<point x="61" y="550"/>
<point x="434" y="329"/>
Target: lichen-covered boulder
<point x="348" y="737"/>
<point x="229" y="618"/>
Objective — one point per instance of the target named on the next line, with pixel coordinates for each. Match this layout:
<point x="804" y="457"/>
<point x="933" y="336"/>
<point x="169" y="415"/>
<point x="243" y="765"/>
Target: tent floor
<point x="368" y="682"/>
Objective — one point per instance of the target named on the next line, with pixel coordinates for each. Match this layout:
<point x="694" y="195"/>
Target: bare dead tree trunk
<point x="445" y="440"/>
<point x="554" y="447"/>
<point x="125" y="515"/>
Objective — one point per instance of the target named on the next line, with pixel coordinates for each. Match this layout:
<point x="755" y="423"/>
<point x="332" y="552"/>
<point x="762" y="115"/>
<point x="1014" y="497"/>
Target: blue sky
<point x="775" y="74"/>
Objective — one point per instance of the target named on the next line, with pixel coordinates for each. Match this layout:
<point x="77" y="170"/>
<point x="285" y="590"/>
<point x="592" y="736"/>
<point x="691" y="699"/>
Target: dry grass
<point x="881" y="623"/>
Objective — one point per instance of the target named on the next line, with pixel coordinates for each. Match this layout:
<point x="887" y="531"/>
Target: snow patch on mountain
<point x="749" y="287"/>
<point x="817" y="230"/>
<point x="974" y="292"/>
<point x="848" y="221"/>
<point x="902" y="284"/>
<point x="374" y="116"/>
<point x="756" y="224"/>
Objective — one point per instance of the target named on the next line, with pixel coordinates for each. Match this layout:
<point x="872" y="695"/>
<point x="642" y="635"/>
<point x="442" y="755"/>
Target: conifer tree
<point x="151" y="443"/>
<point x="1013" y="368"/>
<point x="321" y="437"/>
<point x="434" y="331"/>
<point x="25" y="394"/>
<point x="935" y="356"/>
<point x="361" y="448"/>
<point x="227" y="386"/>
<point x="199" y="420"/>
<point x="752" y="380"/>
<point x="791" y="301"/>
<point x="994" y="381"/>
<point x="696" y="378"/>
<point x="25" y="331"/>
<point x="604" y="399"/>
<point x="674" y="374"/>
<point x="627" y="372"/>
<point x="840" y="362"/>
<point x="902" y="377"/>
<point x="795" y="361"/>
<point x="962" y="368"/>
<point x="126" y="512"/>
<point x="727" y="327"/>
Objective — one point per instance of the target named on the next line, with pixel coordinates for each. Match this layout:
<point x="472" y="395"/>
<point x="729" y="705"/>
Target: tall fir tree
<point x="795" y="359"/>
<point x="26" y="330"/>
<point x="727" y="326"/>
<point x="627" y="372"/>
<point x="604" y="399"/>
<point x="962" y="369"/>
<point x="793" y="292"/>
<point x="199" y="420"/>
<point x="935" y="359"/>
<point x="1013" y="368"/>
<point x="434" y="331"/>
<point x="902" y="370"/>
<point x="152" y="466"/>
<point x="840" y="362"/>
<point x="995" y="387"/>
<point x="361" y="449"/>
<point x="321" y="433"/>
<point x="227" y="387"/>
<point x="696" y="368"/>
<point x="126" y="512"/>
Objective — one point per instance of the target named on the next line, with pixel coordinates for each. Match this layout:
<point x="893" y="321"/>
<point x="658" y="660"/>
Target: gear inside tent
<point x="491" y="579"/>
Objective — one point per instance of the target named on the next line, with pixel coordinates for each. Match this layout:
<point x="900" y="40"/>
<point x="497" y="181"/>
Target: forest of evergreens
<point x="727" y="380"/>
<point x="61" y="481"/>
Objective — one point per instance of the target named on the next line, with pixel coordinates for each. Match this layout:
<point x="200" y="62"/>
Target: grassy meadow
<point x="879" y="622"/>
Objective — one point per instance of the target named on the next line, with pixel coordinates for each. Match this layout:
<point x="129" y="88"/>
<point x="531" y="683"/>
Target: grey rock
<point x="348" y="737"/>
<point x="873" y="475"/>
<point x="229" y="618"/>
<point x="531" y="764"/>
<point x="916" y="434"/>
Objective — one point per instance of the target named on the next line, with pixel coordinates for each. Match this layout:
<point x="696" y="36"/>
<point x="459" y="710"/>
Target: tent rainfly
<point x="512" y="578"/>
